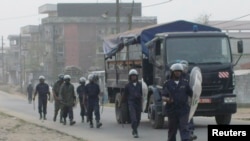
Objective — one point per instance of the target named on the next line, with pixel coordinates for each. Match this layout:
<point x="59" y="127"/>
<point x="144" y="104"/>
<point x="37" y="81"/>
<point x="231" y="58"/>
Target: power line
<point x="156" y="4"/>
<point x="232" y="20"/>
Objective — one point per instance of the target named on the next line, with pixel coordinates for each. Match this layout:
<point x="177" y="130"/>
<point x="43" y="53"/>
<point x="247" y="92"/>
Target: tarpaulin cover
<point x="114" y="43"/>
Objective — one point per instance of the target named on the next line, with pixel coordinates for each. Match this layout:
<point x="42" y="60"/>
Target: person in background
<point x="42" y="89"/>
<point x="30" y="90"/>
<point x="80" y="91"/>
<point x="55" y="89"/>
<point x="92" y="92"/>
<point x="68" y="99"/>
<point x="133" y="96"/>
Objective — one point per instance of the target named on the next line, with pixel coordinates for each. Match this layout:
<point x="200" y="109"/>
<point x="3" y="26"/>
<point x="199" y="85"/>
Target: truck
<point x="151" y="50"/>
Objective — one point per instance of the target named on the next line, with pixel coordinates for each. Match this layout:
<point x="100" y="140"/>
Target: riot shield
<point x="195" y="83"/>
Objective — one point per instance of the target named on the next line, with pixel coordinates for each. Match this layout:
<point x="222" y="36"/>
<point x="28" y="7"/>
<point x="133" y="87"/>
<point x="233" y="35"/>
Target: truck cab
<point x="211" y="52"/>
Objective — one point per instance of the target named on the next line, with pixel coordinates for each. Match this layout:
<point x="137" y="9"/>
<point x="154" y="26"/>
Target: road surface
<point x="111" y="131"/>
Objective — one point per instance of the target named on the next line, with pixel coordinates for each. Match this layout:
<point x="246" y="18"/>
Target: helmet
<point x="95" y="77"/>
<point x="176" y="67"/>
<point x="90" y="77"/>
<point x="133" y="72"/>
<point x="185" y="64"/>
<point x="41" y="77"/>
<point x="66" y="77"/>
<point x="61" y="76"/>
<point x="82" y="80"/>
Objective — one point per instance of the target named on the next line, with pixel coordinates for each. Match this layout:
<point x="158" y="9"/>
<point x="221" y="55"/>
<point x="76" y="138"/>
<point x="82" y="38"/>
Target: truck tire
<point x="121" y="112"/>
<point x="223" y="119"/>
<point x="156" y="120"/>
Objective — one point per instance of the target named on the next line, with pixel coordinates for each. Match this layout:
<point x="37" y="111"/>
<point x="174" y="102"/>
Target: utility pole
<point x="54" y="54"/>
<point x="117" y="16"/>
<point x="130" y="15"/>
<point x="3" y="62"/>
<point x="20" y="59"/>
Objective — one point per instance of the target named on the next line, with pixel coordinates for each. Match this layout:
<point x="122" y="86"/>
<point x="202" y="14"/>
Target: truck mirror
<point x="240" y="46"/>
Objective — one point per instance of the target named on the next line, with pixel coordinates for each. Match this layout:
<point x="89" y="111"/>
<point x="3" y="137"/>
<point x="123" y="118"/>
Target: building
<point x="73" y="33"/>
<point x="237" y="29"/>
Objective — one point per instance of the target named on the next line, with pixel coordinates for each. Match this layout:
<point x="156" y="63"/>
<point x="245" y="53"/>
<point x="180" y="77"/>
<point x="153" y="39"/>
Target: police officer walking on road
<point x="68" y="99"/>
<point x="42" y="89"/>
<point x="175" y="92"/>
<point x="92" y="92"/>
<point x="56" y="89"/>
<point x="133" y="96"/>
<point x="80" y="91"/>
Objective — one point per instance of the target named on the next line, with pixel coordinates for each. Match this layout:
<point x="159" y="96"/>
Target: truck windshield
<point x="198" y="50"/>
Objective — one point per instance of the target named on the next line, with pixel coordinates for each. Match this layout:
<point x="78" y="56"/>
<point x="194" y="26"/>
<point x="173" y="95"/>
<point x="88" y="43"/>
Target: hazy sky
<point x="18" y="13"/>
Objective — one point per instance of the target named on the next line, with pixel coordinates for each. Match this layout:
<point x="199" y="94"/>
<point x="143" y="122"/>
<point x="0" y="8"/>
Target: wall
<point x="242" y="88"/>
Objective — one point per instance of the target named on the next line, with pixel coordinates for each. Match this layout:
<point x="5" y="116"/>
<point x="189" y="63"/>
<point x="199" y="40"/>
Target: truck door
<point x="159" y="63"/>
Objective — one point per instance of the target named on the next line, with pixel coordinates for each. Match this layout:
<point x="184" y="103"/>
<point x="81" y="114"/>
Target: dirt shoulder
<point x="14" y="129"/>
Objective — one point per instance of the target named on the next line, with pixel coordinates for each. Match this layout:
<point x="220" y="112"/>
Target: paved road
<point x="111" y="131"/>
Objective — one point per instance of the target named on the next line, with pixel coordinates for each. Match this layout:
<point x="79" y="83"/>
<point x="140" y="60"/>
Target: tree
<point x="203" y="19"/>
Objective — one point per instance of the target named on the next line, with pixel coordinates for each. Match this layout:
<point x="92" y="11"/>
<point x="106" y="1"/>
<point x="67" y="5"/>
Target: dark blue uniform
<point x="80" y="91"/>
<point x="43" y="91"/>
<point x="92" y="92"/>
<point x="178" y="109"/>
<point x="133" y="95"/>
<point x="30" y="91"/>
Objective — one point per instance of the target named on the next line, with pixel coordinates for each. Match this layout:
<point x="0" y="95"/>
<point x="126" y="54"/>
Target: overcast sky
<point x="18" y="13"/>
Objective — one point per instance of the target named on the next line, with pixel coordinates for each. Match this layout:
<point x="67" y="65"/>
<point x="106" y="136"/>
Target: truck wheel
<point x="223" y="119"/>
<point x="156" y="120"/>
<point x="121" y="113"/>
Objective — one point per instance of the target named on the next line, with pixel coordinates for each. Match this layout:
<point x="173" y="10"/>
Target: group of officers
<point x="176" y="93"/>
<point x="65" y="99"/>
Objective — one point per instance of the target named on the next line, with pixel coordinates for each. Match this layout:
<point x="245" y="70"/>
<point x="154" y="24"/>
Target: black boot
<point x="64" y="121"/>
<point x="193" y="137"/>
<point x="135" y="133"/>
<point x="61" y="120"/>
<point x="98" y="124"/>
<point x="54" y="119"/>
<point x="44" y="117"/>
<point x="91" y="124"/>
<point x="82" y="119"/>
<point x="72" y="122"/>
<point x="41" y="116"/>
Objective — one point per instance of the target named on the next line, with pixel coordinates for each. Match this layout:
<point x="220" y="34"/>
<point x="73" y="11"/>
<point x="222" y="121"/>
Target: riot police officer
<point x="92" y="91"/>
<point x="133" y="96"/>
<point x="175" y="92"/>
<point x="42" y="89"/>
<point x="55" y="89"/>
<point x="68" y="99"/>
<point x="80" y="91"/>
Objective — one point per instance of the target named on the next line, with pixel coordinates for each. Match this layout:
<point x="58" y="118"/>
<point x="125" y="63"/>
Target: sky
<point x="15" y="14"/>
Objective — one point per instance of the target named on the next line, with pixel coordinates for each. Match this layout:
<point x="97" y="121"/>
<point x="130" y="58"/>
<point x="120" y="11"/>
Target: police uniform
<point x="92" y="91"/>
<point x="43" y="92"/>
<point x="30" y="91"/>
<point x="68" y="99"/>
<point x="133" y="92"/>
<point x="133" y="96"/>
<point x="58" y="106"/>
<point x="178" y="107"/>
<point x="80" y="91"/>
